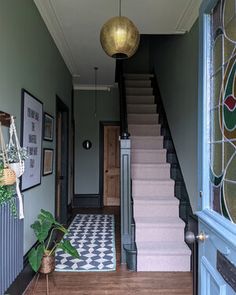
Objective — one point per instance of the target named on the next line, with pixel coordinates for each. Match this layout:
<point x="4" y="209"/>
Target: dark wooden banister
<point x="124" y="134"/>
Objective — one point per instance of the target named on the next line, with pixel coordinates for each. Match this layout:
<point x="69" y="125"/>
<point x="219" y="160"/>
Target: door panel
<point x="111" y="166"/>
<point x="217" y="148"/>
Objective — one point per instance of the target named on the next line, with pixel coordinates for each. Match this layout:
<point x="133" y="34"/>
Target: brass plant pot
<point x="47" y="264"/>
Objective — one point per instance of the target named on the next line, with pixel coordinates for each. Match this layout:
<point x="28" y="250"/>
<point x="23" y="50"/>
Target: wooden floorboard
<point x="117" y="282"/>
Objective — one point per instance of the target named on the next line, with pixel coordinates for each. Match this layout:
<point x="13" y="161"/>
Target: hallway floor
<point x="119" y="282"/>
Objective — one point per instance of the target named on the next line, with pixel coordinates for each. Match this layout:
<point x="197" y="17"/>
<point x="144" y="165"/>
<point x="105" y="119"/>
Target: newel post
<point x="125" y="189"/>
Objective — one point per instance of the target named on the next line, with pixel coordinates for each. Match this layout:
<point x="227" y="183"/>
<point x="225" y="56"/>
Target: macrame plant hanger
<point x="19" y="167"/>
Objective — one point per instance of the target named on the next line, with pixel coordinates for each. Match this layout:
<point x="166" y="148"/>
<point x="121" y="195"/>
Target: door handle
<point x="190" y="237"/>
<point x="106" y="171"/>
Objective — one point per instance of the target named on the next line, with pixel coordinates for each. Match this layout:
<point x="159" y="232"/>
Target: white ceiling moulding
<point x="49" y="16"/>
<point x="189" y="16"/>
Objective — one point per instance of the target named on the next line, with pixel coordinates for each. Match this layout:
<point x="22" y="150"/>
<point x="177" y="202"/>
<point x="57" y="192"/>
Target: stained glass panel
<point x="222" y="109"/>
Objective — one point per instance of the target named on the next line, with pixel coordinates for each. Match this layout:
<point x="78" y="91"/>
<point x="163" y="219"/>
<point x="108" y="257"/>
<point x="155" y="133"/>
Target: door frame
<point x="220" y="231"/>
<point x="61" y="107"/>
<point x="101" y="156"/>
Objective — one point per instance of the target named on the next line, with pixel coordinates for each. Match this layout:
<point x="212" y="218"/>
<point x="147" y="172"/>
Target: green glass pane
<point x="229" y="11"/>
<point x="217" y="54"/>
<point x="230" y="198"/>
<point x="216" y="158"/>
<point x="230" y="30"/>
<point x="231" y="169"/>
<point x="216" y="81"/>
<point x="229" y="150"/>
<point x="216" y="134"/>
<point x="228" y="49"/>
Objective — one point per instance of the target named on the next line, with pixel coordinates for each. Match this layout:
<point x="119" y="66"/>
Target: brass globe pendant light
<point x="119" y="37"/>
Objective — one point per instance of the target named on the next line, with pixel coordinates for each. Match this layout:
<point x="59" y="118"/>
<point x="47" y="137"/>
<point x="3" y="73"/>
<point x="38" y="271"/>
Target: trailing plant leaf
<point x="66" y="246"/>
<point x="35" y="257"/>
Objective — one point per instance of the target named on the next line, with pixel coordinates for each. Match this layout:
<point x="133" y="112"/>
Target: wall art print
<point x="32" y="118"/>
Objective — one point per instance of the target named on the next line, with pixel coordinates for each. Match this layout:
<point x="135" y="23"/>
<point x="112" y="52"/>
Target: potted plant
<point x="42" y="256"/>
<point x="16" y="158"/>
<point x="6" y="193"/>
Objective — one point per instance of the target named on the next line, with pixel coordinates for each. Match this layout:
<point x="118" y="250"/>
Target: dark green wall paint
<point x="29" y="59"/>
<point x="87" y="127"/>
<point x="175" y="59"/>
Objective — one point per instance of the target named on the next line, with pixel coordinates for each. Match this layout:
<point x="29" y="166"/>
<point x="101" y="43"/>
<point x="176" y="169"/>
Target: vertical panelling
<point x="11" y="247"/>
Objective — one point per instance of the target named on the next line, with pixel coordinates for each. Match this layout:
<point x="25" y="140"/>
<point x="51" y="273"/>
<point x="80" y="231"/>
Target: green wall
<point x="87" y="127"/>
<point x="175" y="59"/>
<point x="29" y="59"/>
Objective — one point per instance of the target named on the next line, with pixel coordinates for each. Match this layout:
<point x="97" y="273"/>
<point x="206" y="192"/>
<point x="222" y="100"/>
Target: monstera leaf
<point x="66" y="246"/>
<point x="35" y="257"/>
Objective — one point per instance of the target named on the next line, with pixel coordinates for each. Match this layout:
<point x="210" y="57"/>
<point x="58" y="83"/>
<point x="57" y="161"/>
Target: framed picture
<point x="31" y="138"/>
<point x="48" y="127"/>
<point x="47" y="161"/>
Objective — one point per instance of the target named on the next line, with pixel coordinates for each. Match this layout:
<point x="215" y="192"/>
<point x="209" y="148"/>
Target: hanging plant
<point x="7" y="194"/>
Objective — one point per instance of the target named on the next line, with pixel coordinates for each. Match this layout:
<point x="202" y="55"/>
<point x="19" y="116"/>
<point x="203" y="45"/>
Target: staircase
<point x="159" y="232"/>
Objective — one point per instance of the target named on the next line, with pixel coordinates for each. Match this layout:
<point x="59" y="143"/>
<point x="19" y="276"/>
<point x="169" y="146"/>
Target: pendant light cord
<point x="119" y="8"/>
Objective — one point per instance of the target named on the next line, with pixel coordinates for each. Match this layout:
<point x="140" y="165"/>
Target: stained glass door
<point x="217" y="147"/>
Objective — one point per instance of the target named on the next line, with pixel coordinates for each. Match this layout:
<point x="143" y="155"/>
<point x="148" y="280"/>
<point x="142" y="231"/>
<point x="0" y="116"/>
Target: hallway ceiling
<point x="75" y="27"/>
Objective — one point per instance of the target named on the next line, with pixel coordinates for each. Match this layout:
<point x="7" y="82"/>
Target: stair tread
<point x="150" y="165"/>
<point x="169" y="248"/>
<point x="148" y="150"/>
<point x="160" y="181"/>
<point x="142" y="105"/>
<point x="157" y="221"/>
<point x="155" y="199"/>
<point x="145" y="137"/>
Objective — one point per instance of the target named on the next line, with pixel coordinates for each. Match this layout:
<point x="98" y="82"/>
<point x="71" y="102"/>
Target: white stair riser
<point x="149" y="143"/>
<point x="141" y="109"/>
<point x="143" y="119"/>
<point x="152" y="189"/>
<point x="140" y="99"/>
<point x="159" y="234"/>
<point x="156" y="210"/>
<point x="163" y="263"/>
<point x="158" y="156"/>
<point x="152" y="172"/>
<point x="139" y="91"/>
<point x="138" y="83"/>
<point x="143" y="130"/>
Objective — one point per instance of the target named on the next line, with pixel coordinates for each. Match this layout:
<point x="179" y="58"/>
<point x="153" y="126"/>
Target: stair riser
<point x="156" y="210"/>
<point x="156" y="143"/>
<point x="139" y="91"/>
<point x="139" y="130"/>
<point x="148" y="157"/>
<point x="140" y="99"/>
<point x="159" y="234"/>
<point x="138" y="83"/>
<point x="143" y="119"/>
<point x="151" y="172"/>
<point x="140" y="188"/>
<point x="141" y="109"/>
<point x="138" y="76"/>
<point x="163" y="263"/>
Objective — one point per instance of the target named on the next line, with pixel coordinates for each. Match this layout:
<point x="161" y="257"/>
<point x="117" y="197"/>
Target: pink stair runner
<point x="159" y="230"/>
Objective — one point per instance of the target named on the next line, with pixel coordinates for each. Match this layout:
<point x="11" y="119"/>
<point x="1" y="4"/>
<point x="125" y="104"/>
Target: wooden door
<point x="111" y="196"/>
<point x="217" y="148"/>
<point x="61" y="162"/>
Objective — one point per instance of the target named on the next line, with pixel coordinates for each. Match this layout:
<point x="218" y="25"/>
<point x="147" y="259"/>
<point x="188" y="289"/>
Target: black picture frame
<point x="31" y="138"/>
<point x="48" y="161"/>
<point x="48" y="127"/>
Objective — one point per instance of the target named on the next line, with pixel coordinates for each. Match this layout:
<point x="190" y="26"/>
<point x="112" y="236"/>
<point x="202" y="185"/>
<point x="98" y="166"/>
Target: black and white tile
<point x="94" y="237"/>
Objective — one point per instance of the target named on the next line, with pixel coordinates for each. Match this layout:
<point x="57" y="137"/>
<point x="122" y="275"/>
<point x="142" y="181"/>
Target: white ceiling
<point x="75" y="27"/>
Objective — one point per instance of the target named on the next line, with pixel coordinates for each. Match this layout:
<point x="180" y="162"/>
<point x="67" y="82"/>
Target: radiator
<point x="11" y="247"/>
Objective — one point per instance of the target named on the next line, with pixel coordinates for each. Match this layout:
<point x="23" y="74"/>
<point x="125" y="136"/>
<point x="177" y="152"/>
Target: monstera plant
<point x="44" y="228"/>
